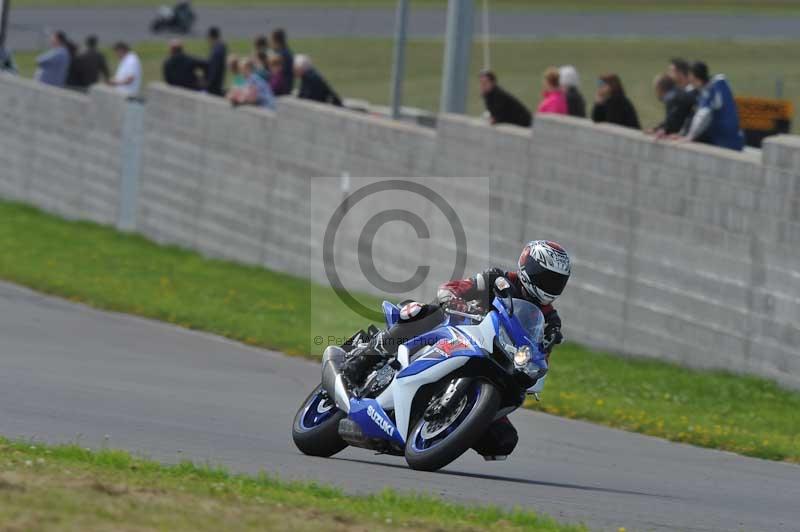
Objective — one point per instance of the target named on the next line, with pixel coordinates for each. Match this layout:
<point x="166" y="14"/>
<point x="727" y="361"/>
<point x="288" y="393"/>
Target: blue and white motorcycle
<point x="439" y="395"/>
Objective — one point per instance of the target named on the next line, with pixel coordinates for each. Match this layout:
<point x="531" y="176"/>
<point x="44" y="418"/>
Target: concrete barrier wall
<point x="60" y="150"/>
<point x="685" y="253"/>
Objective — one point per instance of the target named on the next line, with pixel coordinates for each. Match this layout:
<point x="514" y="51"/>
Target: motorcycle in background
<point x="179" y="19"/>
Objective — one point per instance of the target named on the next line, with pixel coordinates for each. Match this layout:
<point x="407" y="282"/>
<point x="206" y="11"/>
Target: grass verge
<point x="98" y="266"/>
<point x="361" y="68"/>
<point x="69" y="487"/>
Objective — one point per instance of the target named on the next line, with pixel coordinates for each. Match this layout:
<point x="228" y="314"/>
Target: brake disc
<point x="431" y="429"/>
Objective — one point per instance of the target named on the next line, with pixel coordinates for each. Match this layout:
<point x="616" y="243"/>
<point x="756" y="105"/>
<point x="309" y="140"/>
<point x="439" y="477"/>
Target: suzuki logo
<point x="379" y="420"/>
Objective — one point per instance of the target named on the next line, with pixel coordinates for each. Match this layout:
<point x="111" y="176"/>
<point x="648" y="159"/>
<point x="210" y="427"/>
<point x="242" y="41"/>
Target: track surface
<point x="131" y="24"/>
<point x="68" y="372"/>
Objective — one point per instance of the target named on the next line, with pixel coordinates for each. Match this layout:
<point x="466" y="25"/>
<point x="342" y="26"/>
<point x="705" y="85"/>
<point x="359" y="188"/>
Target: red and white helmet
<point x="544" y="269"/>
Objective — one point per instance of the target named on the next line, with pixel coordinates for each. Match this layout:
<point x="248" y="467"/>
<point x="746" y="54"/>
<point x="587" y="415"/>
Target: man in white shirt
<point x="128" y="77"/>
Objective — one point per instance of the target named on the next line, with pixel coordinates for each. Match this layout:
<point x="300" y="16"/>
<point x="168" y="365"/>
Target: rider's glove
<point x="552" y="337"/>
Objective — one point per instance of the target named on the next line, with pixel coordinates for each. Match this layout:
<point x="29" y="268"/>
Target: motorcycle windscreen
<point x="531" y="321"/>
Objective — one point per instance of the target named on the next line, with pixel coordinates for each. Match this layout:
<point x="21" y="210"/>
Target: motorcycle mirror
<point x="503" y="289"/>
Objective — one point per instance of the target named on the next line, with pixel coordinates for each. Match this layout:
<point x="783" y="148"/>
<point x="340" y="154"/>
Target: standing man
<point x="503" y="107"/>
<point x="91" y="65"/>
<point x="128" y="77"/>
<point x="52" y="66"/>
<point x="215" y="67"/>
<point x="280" y="47"/>
<point x="716" y="113"/>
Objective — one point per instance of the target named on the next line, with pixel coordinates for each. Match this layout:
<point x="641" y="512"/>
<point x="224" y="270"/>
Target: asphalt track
<point x="131" y="24"/>
<point x="69" y="373"/>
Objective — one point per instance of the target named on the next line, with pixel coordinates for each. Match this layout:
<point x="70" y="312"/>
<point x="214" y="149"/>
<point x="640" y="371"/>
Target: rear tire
<point x="463" y="436"/>
<point x="321" y="439"/>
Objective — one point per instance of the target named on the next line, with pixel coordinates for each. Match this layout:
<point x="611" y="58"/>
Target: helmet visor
<point x="547" y="281"/>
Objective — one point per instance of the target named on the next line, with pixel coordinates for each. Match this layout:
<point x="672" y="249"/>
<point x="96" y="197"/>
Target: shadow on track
<point x="501" y="478"/>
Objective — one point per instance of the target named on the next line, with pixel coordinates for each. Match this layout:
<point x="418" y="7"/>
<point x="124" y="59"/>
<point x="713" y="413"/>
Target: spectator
<point x="716" y="110"/>
<point x="7" y="61"/>
<point x="236" y="73"/>
<point x="612" y="105"/>
<point x="276" y="79"/>
<point x="53" y="65"/>
<point x="260" y="45"/>
<point x="72" y="73"/>
<point x="90" y="65"/>
<point x="679" y="71"/>
<point x="215" y="66"/>
<point x="256" y="90"/>
<point x="503" y="107"/>
<point x="280" y="47"/>
<point x="569" y="81"/>
<point x="312" y="85"/>
<point x="553" y="100"/>
<point x="262" y="65"/>
<point x="678" y="105"/>
<point x="128" y="77"/>
<point x="180" y="69"/>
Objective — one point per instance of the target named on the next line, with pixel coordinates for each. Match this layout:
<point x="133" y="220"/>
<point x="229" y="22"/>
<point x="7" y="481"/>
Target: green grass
<point x="72" y="488"/>
<point x="720" y="6"/>
<point x="98" y="266"/>
<point x="360" y="68"/>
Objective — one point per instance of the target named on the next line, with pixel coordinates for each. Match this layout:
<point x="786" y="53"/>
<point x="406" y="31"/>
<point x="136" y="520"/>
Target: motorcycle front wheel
<point x="433" y="444"/>
<point x="315" y="430"/>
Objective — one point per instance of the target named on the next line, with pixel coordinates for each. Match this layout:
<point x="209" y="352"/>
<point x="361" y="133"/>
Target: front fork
<point x="441" y="405"/>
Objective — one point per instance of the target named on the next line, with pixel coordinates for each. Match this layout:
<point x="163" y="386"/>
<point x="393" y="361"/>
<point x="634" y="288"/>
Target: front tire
<point x="315" y="430"/>
<point x="429" y="453"/>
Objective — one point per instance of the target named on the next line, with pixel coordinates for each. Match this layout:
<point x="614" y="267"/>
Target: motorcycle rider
<point x="542" y="273"/>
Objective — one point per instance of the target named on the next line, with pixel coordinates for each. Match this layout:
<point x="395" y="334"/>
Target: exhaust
<point x="332" y="381"/>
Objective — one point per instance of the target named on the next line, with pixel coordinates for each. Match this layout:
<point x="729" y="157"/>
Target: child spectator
<point x="612" y="105"/>
<point x="553" y="100"/>
<point x="256" y="90"/>
<point x="569" y="81"/>
<point x="503" y="107"/>
<point x="312" y="85"/>
<point x="237" y="79"/>
<point x="716" y="113"/>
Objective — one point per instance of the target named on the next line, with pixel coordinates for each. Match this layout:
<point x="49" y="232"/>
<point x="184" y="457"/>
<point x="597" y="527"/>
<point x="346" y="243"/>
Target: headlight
<point x="522" y="356"/>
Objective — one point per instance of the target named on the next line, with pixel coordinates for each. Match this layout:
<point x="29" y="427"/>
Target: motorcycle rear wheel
<point x="429" y="448"/>
<point x="315" y="433"/>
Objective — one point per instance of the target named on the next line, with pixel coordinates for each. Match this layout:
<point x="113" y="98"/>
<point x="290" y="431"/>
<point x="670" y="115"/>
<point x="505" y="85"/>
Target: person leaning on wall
<point x="502" y="106"/>
<point x="612" y="105"/>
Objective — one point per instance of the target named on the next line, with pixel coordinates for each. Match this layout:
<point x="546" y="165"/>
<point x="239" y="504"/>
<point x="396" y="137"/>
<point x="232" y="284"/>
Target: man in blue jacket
<point x="716" y="114"/>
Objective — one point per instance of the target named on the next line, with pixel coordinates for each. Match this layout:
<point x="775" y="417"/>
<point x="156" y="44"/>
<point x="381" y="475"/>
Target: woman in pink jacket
<point x="553" y="99"/>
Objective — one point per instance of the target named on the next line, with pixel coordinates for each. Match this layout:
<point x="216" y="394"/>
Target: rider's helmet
<point x="544" y="269"/>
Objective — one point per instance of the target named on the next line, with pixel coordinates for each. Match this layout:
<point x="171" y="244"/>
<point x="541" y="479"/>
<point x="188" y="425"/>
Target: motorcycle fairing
<point x="373" y="420"/>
